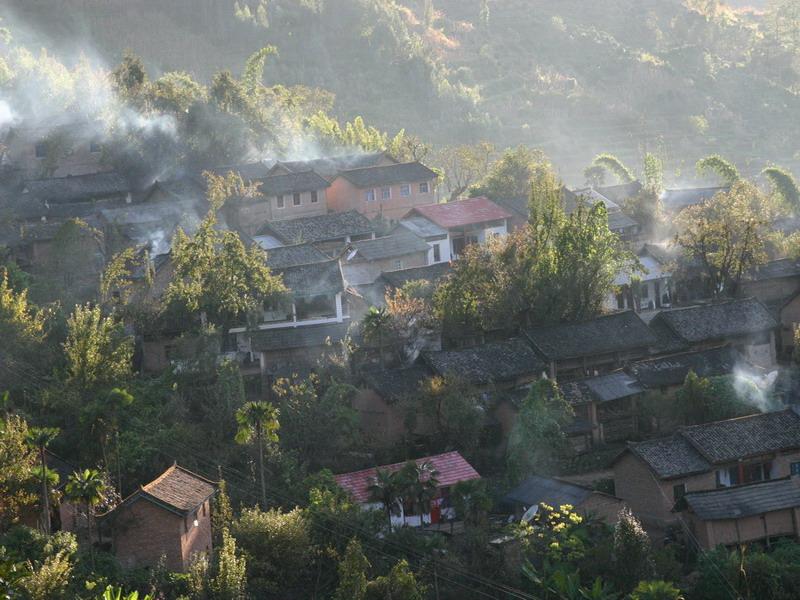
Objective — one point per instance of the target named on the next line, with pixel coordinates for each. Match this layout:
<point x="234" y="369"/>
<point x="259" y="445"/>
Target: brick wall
<point x="196" y="539"/>
<point x="344" y="196"/>
<point x="143" y="532"/>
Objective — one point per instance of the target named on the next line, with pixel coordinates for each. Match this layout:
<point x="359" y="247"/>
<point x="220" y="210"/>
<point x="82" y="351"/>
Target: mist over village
<point x="399" y="300"/>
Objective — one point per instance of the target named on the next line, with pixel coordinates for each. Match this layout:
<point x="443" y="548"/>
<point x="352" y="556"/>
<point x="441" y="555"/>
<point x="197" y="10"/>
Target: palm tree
<point x="385" y="488"/>
<point x="424" y="487"/>
<point x="40" y="438"/>
<point x="258" y="421"/>
<point x="376" y="325"/>
<point x="87" y="487"/>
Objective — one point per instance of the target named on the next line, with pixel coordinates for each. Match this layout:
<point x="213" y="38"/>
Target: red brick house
<point x="170" y="517"/>
<point x="451" y="468"/>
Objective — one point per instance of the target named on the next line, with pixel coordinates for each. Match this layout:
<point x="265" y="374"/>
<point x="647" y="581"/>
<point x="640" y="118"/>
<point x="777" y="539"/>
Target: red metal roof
<point x="452" y="468"/>
<point x="463" y="212"/>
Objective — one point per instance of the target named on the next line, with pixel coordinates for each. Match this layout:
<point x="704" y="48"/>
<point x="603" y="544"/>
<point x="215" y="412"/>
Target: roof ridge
<point x="399" y="164"/>
<point x="193" y="474"/>
<point x="161" y="477"/>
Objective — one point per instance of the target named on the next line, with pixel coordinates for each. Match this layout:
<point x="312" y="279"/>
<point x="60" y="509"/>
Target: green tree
<point x="17" y="469"/>
<point x="117" y="593"/>
<point x="97" y="350"/>
<point x="40" y="438"/>
<point x="784" y="186"/>
<point x="727" y="236"/>
<point x="512" y="174"/>
<point x="632" y="551"/>
<point x="656" y="590"/>
<point x="215" y="274"/>
<point x="399" y="584"/>
<point x="222" y="512"/>
<point x="230" y="577"/>
<point x="463" y="166"/>
<point x="722" y="168"/>
<point x="258" y="421"/>
<point x="130" y="76"/>
<point x="456" y="411"/>
<point x="103" y="416"/>
<point x="419" y="485"/>
<point x="537" y="441"/>
<point x="353" y="569"/>
<point x="376" y="325"/>
<point x="48" y="580"/>
<point x="614" y="165"/>
<point x="87" y="487"/>
<point x="386" y="488"/>
<point x="472" y="501"/>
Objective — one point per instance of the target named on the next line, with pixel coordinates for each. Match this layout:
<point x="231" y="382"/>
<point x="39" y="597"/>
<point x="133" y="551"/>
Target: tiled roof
<point x="519" y="206"/>
<point x="734" y="439"/>
<point x="399" y="243"/>
<point x="432" y="273"/>
<point x="180" y="488"/>
<point x="617" y="221"/>
<point x="184" y="188"/>
<point x="709" y="322"/>
<point x="451" y="467"/>
<point x="775" y="269"/>
<point x="590" y="197"/>
<point x="460" y="213"/>
<point x="291" y="256"/>
<point x="676" y="200"/>
<point x="620" y="193"/>
<point x="744" y="501"/>
<point x="78" y="187"/>
<point x="536" y="490"/>
<point x="671" y="457"/>
<point x="672" y="370"/>
<point x="492" y="362"/>
<point x="368" y="177"/>
<point x="397" y="384"/>
<point x="303" y="336"/>
<point x="276" y="185"/>
<point x="314" y="279"/>
<point x="617" y="332"/>
<point x="603" y="388"/>
<point x="330" y="166"/>
<point x="321" y="228"/>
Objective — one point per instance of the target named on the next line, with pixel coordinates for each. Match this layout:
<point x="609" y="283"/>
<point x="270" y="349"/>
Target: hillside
<point x="571" y="77"/>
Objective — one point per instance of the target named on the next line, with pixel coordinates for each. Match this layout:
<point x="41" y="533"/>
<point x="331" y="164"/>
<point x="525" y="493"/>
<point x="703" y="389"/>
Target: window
<point x="386" y="193"/>
<point x="314" y="197"/>
<point x="370" y="195"/>
<point x="437" y="253"/>
<point x="41" y="150"/>
<point x="743" y="474"/>
<point x="405" y="190"/>
<point x="794" y="468"/>
<point x="423" y="187"/>
<point x="296" y="199"/>
<point x="94" y="147"/>
<point x="398" y="265"/>
<point x="280" y="202"/>
<point x="678" y="491"/>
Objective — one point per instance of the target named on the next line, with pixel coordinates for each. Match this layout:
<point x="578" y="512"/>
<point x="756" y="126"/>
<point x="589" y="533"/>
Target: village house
<point x="591" y="347"/>
<point x="618" y="222"/>
<point x="652" y="476"/>
<point x="365" y="260"/>
<point x="386" y="191"/>
<point x="675" y="200"/>
<point x="646" y="290"/>
<point x="777" y="285"/>
<point x="329" y="167"/>
<point x="330" y="232"/>
<point x="280" y="198"/>
<point x="169" y="517"/>
<point x="450" y="227"/>
<point x="383" y="401"/>
<point x="451" y="468"/>
<point x="606" y="409"/>
<point x="667" y="374"/>
<point x="525" y="499"/>
<point x="745" y="324"/>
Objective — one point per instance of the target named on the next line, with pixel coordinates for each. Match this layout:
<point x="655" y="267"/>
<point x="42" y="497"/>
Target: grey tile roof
<point x="671" y="457"/>
<point x="618" y="221"/>
<point x="78" y="187"/>
<point x="320" y="228"/>
<point x="616" y="332"/>
<point x="492" y="362"/>
<point x="292" y="256"/>
<point x="288" y="338"/>
<point x="667" y="341"/>
<point x="734" y="439"/>
<point x="397" y="384"/>
<point x="516" y="206"/>
<point x="276" y="185"/>
<point x="330" y="166"/>
<point x="314" y="278"/>
<point x="432" y="273"/>
<point x="776" y="269"/>
<point x="536" y="490"/>
<point x="603" y="388"/>
<point x="744" y="501"/>
<point x="247" y="171"/>
<point x="368" y="177"/>
<point x="709" y="322"/>
<point x="620" y="193"/>
<point x="676" y="200"/>
<point x="672" y="370"/>
<point x="399" y="243"/>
